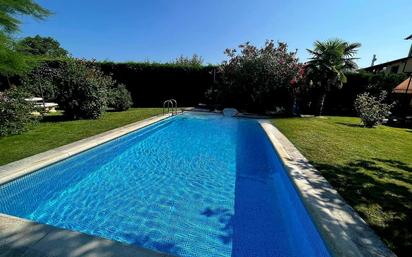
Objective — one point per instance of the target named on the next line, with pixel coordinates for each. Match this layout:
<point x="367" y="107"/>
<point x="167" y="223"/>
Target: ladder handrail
<point x="170" y="104"/>
<point x="175" y="104"/>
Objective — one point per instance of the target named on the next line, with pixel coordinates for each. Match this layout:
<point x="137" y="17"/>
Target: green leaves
<point x="194" y="61"/>
<point x="82" y="89"/>
<point x="372" y="110"/>
<point x="13" y="62"/>
<point x="41" y="46"/>
<point x="9" y="9"/>
<point x="330" y="59"/>
<point x="258" y="79"/>
<point x="15" y="112"/>
<point x="328" y="64"/>
<point x="119" y="98"/>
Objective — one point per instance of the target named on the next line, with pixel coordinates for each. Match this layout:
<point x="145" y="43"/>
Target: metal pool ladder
<point x="170" y="105"/>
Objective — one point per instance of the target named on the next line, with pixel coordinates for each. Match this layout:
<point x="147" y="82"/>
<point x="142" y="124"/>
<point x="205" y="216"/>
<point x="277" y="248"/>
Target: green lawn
<point x="371" y="169"/>
<point x="54" y="131"/>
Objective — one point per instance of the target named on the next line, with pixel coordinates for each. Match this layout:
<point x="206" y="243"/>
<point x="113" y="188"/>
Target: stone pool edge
<point x="343" y="230"/>
<point x="24" y="238"/>
<point x="17" y="169"/>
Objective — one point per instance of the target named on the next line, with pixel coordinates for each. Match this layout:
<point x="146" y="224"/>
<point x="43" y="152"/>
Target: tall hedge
<point x="152" y="83"/>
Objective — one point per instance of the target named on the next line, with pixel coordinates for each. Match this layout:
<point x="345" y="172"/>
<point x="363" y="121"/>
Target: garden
<point x="368" y="163"/>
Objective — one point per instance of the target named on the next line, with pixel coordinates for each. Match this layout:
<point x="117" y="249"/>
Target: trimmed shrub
<point x="15" y="112"/>
<point x="82" y="89"/>
<point x="120" y="98"/>
<point x="372" y="110"/>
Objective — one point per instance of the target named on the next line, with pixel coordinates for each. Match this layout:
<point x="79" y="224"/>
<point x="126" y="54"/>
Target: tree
<point x="258" y="79"/>
<point x="43" y="46"/>
<point x="11" y="61"/>
<point x="195" y="60"/>
<point x="328" y="64"/>
<point x="9" y="9"/>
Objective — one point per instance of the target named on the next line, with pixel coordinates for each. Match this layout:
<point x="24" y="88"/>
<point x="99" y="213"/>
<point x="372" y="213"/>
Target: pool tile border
<point x="30" y="164"/>
<point x="343" y="230"/>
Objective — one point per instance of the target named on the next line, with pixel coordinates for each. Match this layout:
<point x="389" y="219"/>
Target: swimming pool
<point x="192" y="185"/>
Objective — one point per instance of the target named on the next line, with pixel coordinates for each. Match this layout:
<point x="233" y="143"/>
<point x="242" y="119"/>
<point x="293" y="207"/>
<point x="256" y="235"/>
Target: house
<point x="402" y="65"/>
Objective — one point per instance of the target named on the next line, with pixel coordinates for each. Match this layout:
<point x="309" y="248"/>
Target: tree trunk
<point x="321" y="103"/>
<point x="8" y="81"/>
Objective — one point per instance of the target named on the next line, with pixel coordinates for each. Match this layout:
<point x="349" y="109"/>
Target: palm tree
<point x="328" y="63"/>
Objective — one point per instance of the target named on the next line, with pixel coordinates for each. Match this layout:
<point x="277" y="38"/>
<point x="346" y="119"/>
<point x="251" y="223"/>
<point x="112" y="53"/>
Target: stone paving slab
<point x="343" y="230"/>
<point x="23" y="238"/>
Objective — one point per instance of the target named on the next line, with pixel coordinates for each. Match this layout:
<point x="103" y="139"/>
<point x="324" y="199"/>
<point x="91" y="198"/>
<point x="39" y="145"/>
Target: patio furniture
<point x="40" y="104"/>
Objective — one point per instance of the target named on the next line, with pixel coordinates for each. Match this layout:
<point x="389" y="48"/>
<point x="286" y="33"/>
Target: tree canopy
<point x="195" y="60"/>
<point x="9" y="9"/>
<point x="13" y="62"/>
<point x="42" y="46"/>
<point x="328" y="63"/>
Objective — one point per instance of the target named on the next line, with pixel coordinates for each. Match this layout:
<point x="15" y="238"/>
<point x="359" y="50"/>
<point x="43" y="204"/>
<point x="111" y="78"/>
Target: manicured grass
<point x="371" y="169"/>
<point x="55" y="131"/>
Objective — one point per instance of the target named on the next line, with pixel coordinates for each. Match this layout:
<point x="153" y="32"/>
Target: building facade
<point x="403" y="65"/>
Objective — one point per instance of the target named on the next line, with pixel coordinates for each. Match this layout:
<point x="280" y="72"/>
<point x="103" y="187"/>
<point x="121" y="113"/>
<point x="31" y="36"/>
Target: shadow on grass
<point x="386" y="206"/>
<point x="56" y="118"/>
<point x="353" y="125"/>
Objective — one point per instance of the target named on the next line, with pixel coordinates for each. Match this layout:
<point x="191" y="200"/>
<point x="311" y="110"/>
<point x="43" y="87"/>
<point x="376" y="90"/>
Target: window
<point x="394" y="69"/>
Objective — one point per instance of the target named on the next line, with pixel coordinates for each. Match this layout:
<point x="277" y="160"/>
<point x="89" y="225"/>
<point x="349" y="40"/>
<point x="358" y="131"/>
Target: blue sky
<point x="161" y="30"/>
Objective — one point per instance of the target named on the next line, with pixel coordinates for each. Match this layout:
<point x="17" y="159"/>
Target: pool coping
<point x="343" y="230"/>
<point x="17" y="169"/>
<point x="22" y="237"/>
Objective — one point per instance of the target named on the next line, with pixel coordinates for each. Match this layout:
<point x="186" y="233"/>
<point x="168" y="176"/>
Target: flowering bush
<point x="258" y="79"/>
<point x="15" y="112"/>
<point x="372" y="110"/>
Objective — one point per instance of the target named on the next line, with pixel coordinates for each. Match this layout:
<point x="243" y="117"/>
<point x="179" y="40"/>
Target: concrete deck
<point x="23" y="238"/>
<point x="343" y="230"/>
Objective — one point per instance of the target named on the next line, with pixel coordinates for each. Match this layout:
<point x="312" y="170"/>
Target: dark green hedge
<point x="151" y="83"/>
<point x="340" y="101"/>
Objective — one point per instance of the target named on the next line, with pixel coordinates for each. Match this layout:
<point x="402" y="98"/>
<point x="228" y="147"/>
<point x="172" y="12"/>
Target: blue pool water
<point x="192" y="185"/>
